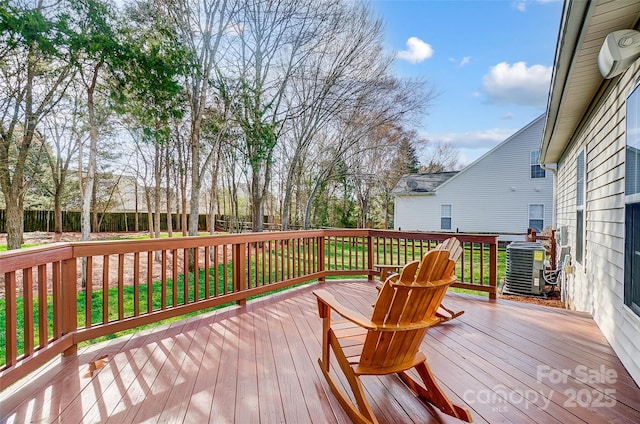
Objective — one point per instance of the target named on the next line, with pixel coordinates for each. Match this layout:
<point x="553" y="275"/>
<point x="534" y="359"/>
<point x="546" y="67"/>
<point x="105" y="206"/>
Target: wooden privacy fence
<point x="43" y="220"/>
<point x="48" y="310"/>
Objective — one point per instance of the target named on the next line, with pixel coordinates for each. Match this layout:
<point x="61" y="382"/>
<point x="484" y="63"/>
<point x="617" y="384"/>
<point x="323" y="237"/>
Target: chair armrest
<point x="356" y="317"/>
<point x="360" y="320"/>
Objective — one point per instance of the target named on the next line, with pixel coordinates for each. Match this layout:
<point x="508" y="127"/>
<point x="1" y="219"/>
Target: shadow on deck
<point x="505" y="361"/>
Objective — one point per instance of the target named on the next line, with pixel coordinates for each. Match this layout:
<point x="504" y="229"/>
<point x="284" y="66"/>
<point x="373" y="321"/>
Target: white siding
<point x="492" y="195"/>
<point x="597" y="286"/>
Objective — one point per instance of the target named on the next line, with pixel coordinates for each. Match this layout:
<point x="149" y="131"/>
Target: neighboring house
<point x="592" y="134"/>
<point x="504" y="192"/>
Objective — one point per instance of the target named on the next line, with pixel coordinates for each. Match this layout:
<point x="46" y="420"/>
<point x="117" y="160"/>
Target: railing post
<point x="493" y="269"/>
<point x="70" y="301"/>
<point x="370" y="255"/>
<point x="321" y="257"/>
<point x="240" y="270"/>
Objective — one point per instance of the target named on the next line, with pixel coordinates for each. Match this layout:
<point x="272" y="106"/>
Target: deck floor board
<point x="258" y="363"/>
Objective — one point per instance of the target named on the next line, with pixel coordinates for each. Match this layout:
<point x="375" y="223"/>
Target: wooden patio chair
<point x="454" y="247"/>
<point x="388" y="342"/>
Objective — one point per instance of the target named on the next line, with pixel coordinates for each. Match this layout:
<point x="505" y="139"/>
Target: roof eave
<point x="574" y="15"/>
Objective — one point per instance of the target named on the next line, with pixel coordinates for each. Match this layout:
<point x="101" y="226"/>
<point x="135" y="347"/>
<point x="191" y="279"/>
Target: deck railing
<point x="66" y="293"/>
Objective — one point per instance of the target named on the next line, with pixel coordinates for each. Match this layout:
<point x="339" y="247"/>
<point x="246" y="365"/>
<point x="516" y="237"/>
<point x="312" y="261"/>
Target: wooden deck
<point x="506" y="361"/>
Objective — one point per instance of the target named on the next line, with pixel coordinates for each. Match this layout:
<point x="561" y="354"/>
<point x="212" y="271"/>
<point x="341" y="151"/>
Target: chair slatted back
<point x="453" y="246"/>
<point x="403" y="303"/>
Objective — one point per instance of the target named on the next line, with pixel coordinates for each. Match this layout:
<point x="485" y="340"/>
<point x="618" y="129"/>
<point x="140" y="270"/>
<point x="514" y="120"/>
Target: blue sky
<point x="489" y="62"/>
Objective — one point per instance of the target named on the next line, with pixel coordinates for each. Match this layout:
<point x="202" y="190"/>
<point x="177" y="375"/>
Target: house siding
<point x="492" y="195"/>
<point x="597" y="285"/>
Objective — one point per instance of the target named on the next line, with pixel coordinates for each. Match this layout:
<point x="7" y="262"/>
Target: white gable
<point x="492" y="195"/>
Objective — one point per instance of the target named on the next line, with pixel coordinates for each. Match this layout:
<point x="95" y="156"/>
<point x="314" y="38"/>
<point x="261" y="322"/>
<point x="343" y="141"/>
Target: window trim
<point x="631" y="304"/>
<point x="529" y="214"/>
<point x="442" y="216"/>
<point x="537" y="163"/>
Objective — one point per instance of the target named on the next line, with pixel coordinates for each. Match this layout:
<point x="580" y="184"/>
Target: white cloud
<point x="520" y="6"/>
<point x="471" y="144"/>
<point x="464" y="61"/>
<point x="480" y="139"/>
<point x="517" y="84"/>
<point x="507" y="116"/>
<point x="417" y="51"/>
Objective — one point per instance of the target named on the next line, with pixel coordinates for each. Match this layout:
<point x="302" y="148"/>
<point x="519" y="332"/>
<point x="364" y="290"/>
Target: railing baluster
<point x="263" y="250"/>
<point x="207" y="283"/>
<point x="482" y="263"/>
<point x="278" y="251"/>
<point x="88" y="292"/>
<point x="27" y="298"/>
<point x="471" y="273"/>
<point x="11" y="323"/>
<point x="163" y="280"/>
<point x="149" y="281"/>
<point x="185" y="276"/>
<point x="215" y="270"/>
<point x="224" y="269"/>
<point x="105" y="289"/>
<point x="136" y="284"/>
<point x="196" y="274"/>
<point x="56" y="290"/>
<point x="43" y="327"/>
<point x="270" y="257"/>
<point x="248" y="255"/>
<point x="121" y="286"/>
<point x="174" y="276"/>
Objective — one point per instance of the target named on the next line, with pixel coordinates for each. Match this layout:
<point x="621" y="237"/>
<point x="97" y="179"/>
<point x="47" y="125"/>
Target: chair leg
<point x="432" y="392"/>
<point x="446" y="314"/>
<point x="362" y="413"/>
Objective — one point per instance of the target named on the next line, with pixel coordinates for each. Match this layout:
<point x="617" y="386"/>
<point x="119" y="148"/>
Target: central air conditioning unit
<point x="525" y="263"/>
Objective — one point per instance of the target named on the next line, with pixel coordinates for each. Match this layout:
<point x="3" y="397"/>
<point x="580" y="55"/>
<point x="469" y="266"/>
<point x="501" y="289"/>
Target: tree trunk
<point x="286" y="204"/>
<point x="15" y="222"/>
<point x="147" y="196"/>
<point x="57" y="211"/>
<point x="257" y="209"/>
<point x="169" y="200"/>
<point x="137" y="218"/>
<point x="94" y="206"/>
<point x="89" y="180"/>
<point x="194" y="202"/>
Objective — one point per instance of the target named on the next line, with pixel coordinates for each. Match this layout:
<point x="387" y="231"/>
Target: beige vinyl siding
<point x="597" y="287"/>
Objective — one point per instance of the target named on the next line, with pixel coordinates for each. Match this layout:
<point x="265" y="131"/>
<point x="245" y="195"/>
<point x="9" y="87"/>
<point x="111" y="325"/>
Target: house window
<point x="580" y="208"/>
<point x="445" y="217"/>
<point x="536" y="217"/>
<point x="536" y="169"/>
<point x="632" y="200"/>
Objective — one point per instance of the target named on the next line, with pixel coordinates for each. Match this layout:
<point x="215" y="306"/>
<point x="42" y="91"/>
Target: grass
<point x="3" y="247"/>
<point x="338" y="252"/>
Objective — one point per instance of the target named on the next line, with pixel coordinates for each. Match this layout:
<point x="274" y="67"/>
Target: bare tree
<point x="275" y="41"/>
<point x="330" y="82"/>
<point x="64" y="134"/>
<point x="202" y="25"/>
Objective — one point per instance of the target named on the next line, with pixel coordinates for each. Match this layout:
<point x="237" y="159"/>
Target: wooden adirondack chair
<point x="389" y="341"/>
<point x="451" y="245"/>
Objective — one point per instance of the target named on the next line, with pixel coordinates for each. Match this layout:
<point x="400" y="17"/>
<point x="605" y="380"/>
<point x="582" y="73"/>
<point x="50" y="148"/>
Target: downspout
<point x="554" y="171"/>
